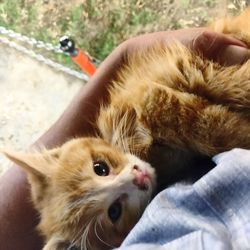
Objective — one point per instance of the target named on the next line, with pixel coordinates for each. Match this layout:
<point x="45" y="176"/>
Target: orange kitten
<point x="172" y="99"/>
<point x="90" y="192"/>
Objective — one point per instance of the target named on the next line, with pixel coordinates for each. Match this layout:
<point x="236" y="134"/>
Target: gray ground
<point x="32" y="97"/>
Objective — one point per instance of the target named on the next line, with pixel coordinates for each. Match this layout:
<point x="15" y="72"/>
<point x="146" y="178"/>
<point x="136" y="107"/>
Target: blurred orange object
<point x="84" y="62"/>
<point x="67" y="45"/>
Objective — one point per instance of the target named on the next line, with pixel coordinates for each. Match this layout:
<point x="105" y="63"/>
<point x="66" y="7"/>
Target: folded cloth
<point x="212" y="213"/>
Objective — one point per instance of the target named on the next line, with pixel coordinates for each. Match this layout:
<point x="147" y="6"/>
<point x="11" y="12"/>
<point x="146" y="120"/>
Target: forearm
<point x="18" y="218"/>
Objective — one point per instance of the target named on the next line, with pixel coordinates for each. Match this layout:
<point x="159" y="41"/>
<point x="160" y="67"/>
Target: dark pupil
<point x="115" y="211"/>
<point x="101" y="168"/>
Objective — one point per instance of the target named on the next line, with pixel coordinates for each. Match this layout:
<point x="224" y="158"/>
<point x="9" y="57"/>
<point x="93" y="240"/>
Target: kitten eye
<point x="101" y="168"/>
<point x="115" y="211"/>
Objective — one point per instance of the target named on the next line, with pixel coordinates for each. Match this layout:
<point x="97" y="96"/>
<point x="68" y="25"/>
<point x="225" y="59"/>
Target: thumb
<point x="221" y="48"/>
<point x="232" y="54"/>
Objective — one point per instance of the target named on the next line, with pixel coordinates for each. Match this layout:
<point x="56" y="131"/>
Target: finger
<point x="232" y="54"/>
<point x="221" y="48"/>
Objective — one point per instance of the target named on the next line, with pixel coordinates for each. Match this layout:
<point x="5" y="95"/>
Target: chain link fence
<point x="21" y="42"/>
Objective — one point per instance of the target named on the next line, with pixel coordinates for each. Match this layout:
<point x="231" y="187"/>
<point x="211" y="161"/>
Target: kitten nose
<point x="141" y="177"/>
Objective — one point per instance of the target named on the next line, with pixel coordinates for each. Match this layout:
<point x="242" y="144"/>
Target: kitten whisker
<point x="72" y="244"/>
<point x="126" y="134"/>
<point x="98" y="237"/>
<point x="133" y="146"/>
<point x="123" y="133"/>
<point x="78" y="237"/>
<point x="122" y="128"/>
<point x="84" y="239"/>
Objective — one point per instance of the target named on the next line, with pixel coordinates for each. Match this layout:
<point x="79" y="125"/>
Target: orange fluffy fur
<point x="166" y="96"/>
<point x="173" y="97"/>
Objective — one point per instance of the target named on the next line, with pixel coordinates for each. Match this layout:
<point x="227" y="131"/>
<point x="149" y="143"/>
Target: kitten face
<point x="89" y="194"/>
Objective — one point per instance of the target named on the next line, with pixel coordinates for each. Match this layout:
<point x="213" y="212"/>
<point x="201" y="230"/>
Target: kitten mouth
<point x="143" y="187"/>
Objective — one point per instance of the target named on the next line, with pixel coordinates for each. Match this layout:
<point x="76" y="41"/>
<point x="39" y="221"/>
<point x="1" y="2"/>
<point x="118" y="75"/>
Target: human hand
<point x="215" y="46"/>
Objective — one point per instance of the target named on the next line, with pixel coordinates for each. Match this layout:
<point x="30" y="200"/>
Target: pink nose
<point x="141" y="178"/>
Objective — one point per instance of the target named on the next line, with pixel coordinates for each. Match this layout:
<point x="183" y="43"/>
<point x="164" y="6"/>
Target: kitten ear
<point x="37" y="164"/>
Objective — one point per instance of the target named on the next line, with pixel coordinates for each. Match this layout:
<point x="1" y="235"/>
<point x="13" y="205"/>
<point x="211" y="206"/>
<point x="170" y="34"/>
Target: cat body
<point x="185" y="104"/>
<point x="172" y="97"/>
<point x="90" y="192"/>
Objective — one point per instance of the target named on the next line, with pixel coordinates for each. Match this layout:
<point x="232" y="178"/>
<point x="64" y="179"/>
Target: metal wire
<point x="40" y="45"/>
<point x="29" y="40"/>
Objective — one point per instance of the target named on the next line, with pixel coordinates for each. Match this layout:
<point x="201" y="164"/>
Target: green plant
<point x="100" y="25"/>
<point x="10" y="13"/>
